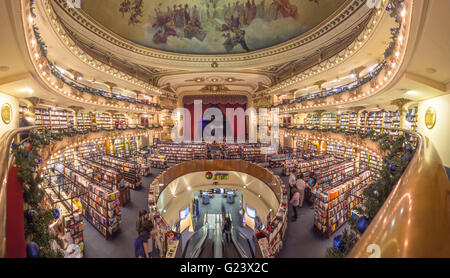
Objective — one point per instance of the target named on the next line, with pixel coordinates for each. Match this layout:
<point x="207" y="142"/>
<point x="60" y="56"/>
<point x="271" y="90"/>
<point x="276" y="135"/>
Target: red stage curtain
<point x="222" y="107"/>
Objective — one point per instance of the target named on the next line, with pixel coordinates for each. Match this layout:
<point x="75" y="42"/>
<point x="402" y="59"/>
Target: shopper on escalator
<point x="227" y="229"/>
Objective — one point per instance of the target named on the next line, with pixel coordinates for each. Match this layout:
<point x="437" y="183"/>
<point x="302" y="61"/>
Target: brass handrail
<point x="415" y="219"/>
<point x="5" y="163"/>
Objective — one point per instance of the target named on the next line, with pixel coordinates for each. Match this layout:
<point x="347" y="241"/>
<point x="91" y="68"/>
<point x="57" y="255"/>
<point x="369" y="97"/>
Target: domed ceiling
<point x="210" y="26"/>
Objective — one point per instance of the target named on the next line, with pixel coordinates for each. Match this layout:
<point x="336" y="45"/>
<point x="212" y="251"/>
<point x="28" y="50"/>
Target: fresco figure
<point x="286" y="9"/>
<point x="261" y="9"/>
<point x="230" y="19"/>
<point x="180" y="17"/>
<point x="238" y="38"/>
<point x="251" y="12"/>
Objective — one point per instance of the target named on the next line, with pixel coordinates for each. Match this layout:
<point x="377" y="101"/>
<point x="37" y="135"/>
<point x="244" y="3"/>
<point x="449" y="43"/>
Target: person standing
<point x="292" y="183"/>
<point x="312" y="182"/>
<point x="141" y="220"/>
<point x="295" y="201"/>
<point x="300" y="186"/>
<point x="227" y="229"/>
<point x="141" y="245"/>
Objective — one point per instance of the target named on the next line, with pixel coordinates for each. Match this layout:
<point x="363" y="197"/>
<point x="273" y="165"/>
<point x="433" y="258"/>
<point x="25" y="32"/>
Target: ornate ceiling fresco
<point x="210" y="26"/>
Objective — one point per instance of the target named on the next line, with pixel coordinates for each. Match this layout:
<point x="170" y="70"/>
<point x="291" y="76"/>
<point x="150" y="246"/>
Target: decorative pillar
<point x="400" y="103"/>
<point x="320" y="112"/>
<point x="357" y="110"/>
<point x="110" y="86"/>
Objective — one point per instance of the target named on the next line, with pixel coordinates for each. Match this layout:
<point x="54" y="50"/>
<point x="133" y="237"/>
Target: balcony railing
<point x="414" y="221"/>
<point x="6" y="161"/>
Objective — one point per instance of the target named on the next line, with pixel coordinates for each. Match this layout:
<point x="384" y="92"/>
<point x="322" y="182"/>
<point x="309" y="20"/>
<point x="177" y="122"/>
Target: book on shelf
<point x="332" y="201"/>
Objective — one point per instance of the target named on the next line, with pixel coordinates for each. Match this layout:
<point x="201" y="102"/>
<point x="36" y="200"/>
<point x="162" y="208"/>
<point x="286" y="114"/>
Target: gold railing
<point x="415" y="219"/>
<point x="249" y="168"/>
<point x="6" y="160"/>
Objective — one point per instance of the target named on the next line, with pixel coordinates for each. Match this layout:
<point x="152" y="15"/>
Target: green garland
<point x="36" y="219"/>
<point x="394" y="164"/>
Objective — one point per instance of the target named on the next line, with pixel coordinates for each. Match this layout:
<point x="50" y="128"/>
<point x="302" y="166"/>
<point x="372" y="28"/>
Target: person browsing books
<point x="295" y="201"/>
<point x="300" y="186"/>
<point x="292" y="183"/>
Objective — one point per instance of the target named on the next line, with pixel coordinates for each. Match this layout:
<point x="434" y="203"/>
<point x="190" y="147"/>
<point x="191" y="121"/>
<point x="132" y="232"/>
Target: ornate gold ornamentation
<point x="7" y="113"/>
<point x="430" y="117"/>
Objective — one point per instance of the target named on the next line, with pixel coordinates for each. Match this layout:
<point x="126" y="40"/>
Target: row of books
<point x="332" y="201"/>
<point x="101" y="204"/>
<point x="176" y="153"/>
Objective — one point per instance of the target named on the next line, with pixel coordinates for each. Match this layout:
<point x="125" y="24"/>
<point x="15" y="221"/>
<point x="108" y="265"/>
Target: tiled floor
<point x="301" y="240"/>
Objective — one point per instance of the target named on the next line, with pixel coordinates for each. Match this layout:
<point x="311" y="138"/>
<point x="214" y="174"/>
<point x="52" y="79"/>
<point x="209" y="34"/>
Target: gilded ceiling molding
<point x="389" y="74"/>
<point x="83" y="56"/>
<point x="335" y="60"/>
<point x="215" y="61"/>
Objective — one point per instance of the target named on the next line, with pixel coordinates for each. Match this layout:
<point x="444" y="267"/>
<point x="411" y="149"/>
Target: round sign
<point x="208" y="175"/>
<point x="430" y="117"/>
<point x="6" y="113"/>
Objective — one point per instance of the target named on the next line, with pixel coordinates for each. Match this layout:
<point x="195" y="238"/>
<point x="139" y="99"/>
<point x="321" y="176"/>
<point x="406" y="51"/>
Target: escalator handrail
<point x="199" y="244"/>
<point x="238" y="246"/>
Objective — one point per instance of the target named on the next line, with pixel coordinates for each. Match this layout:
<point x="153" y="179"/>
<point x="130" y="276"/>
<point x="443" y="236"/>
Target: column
<point x="401" y="104"/>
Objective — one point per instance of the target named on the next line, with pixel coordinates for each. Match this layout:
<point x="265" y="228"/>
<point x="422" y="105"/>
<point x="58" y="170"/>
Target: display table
<point x="124" y="196"/>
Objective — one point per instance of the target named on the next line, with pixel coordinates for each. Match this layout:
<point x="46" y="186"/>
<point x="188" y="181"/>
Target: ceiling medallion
<point x="214" y="89"/>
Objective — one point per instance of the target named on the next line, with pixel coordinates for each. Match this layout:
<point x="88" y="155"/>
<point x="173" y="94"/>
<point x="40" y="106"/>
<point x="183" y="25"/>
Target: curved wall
<point x="179" y="193"/>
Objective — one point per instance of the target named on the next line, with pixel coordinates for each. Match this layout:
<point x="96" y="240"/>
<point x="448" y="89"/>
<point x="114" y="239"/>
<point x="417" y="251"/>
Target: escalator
<point x="209" y="242"/>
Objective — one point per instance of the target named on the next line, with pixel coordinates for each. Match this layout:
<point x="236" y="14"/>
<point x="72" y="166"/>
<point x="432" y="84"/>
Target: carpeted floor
<point x="301" y="239"/>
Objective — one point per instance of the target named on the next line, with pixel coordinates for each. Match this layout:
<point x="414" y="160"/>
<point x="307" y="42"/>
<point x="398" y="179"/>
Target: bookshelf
<point x="332" y="201"/>
<point x="312" y="120"/>
<point x="308" y="166"/>
<point x="232" y="151"/>
<point x="270" y="238"/>
<point x="103" y="120"/>
<point x="53" y="119"/>
<point x="131" y="170"/>
<point x="100" y="204"/>
<point x="277" y="161"/>
<point x="158" y="161"/>
<point x="120" y="120"/>
<point x="65" y="197"/>
<point x="363" y="121"/>
<point x="176" y="153"/>
<point x="83" y="121"/>
<point x="375" y="120"/>
<point x="329" y="120"/>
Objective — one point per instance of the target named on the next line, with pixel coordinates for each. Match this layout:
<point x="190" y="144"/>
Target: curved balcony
<point x="51" y="78"/>
<point x="414" y="221"/>
<point x="6" y="161"/>
<point x="54" y="147"/>
<point x="77" y="139"/>
<point x="388" y="73"/>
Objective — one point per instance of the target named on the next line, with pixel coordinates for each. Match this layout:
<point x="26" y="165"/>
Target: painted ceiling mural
<point x="210" y="26"/>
